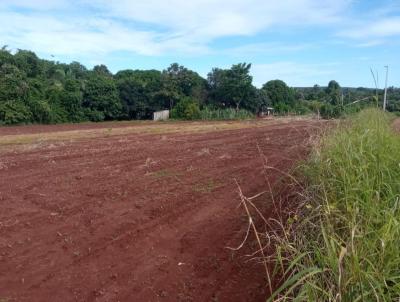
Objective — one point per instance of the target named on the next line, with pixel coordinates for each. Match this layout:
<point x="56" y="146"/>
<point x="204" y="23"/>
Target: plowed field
<point x="136" y="212"/>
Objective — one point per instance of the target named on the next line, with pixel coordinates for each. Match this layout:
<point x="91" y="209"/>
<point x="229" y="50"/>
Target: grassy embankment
<point x="344" y="243"/>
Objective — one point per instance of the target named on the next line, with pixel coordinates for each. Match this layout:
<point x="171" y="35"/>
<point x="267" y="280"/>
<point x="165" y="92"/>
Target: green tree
<point x="75" y="70"/>
<point x="179" y="82"/>
<point x="187" y="109"/>
<point x="334" y="93"/>
<point x="13" y="83"/>
<point x="262" y="101"/>
<point x="140" y="92"/>
<point x="102" y="70"/>
<point x="281" y="96"/>
<point x="28" y="62"/>
<point x="33" y="90"/>
<point x="232" y="87"/>
<point x="14" y="112"/>
<point x="101" y="95"/>
<point x="5" y="56"/>
<point x="71" y="101"/>
<point x="40" y="112"/>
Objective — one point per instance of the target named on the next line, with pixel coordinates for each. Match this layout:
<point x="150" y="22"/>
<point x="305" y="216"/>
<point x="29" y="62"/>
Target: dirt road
<point x="136" y="217"/>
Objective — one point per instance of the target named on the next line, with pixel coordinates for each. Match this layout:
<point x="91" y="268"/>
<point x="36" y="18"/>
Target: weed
<point x="346" y="245"/>
<point x="108" y="132"/>
<point x="225" y="114"/>
<point x="206" y="187"/>
<point x="164" y="173"/>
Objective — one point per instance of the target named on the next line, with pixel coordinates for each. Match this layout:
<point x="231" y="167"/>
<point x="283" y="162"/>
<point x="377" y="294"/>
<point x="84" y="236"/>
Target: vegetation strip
<point x="343" y="243"/>
<point x="38" y="91"/>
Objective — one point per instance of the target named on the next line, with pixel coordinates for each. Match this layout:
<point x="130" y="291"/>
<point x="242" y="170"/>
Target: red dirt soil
<point x="137" y="217"/>
<point x="35" y="129"/>
<point x="31" y="129"/>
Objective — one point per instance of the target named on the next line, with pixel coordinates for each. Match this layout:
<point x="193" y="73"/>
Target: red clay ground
<point x="136" y="217"/>
<point x="9" y="130"/>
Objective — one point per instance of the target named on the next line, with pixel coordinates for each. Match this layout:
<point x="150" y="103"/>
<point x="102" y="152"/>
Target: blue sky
<point x="303" y="42"/>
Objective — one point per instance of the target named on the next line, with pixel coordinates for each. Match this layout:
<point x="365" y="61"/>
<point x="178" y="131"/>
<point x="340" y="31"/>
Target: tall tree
<point x="279" y="93"/>
<point x="139" y="93"/>
<point x="13" y="83"/>
<point x="232" y="87"/>
<point x="101" y="97"/>
<point x="102" y="70"/>
<point x="71" y="100"/>
<point x="28" y="62"/>
<point x="180" y="82"/>
<point x="334" y="93"/>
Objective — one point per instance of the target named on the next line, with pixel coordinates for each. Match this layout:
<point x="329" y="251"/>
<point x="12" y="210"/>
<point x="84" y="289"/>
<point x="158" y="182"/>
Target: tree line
<point x="34" y="90"/>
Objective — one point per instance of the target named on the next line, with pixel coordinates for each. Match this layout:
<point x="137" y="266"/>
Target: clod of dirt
<point x="204" y="151"/>
<point x="225" y="156"/>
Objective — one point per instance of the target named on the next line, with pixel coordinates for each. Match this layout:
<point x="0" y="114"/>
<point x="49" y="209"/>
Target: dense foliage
<point x="186" y="109"/>
<point x="345" y="247"/>
<point x="33" y="90"/>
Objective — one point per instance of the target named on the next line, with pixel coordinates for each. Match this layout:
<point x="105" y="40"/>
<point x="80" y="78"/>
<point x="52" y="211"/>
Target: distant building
<point x="161" y="115"/>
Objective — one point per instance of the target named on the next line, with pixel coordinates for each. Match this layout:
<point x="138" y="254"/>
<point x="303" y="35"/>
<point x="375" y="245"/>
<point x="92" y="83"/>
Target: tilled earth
<point x="137" y="217"/>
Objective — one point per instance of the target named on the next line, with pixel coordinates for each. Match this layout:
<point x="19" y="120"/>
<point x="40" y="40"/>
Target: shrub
<point x="282" y="108"/>
<point x="58" y="114"/>
<point x="14" y="112"/>
<point x="41" y="111"/>
<point x="329" y="111"/>
<point x="301" y="108"/>
<point x="186" y="109"/>
<point x="225" y="114"/>
<point x="94" y="115"/>
<point x="346" y="245"/>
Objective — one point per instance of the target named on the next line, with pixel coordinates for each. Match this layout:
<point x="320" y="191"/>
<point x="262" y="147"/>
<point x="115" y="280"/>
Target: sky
<point x="302" y="42"/>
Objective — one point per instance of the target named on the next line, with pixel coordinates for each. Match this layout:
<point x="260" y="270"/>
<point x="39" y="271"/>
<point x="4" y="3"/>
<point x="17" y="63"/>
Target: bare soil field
<point x="136" y="213"/>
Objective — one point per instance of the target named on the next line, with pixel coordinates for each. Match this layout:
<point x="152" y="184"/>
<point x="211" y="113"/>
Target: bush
<point x="58" y="114"/>
<point x="41" y="112"/>
<point x="301" y="108"/>
<point x="186" y="109"/>
<point x="14" y="112"/>
<point x="225" y="114"/>
<point x="346" y="245"/>
<point x="329" y="111"/>
<point x="94" y="115"/>
<point x="282" y="108"/>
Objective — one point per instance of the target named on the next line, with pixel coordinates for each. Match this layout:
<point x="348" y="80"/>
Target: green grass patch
<point x="206" y="187"/>
<point x="165" y="173"/>
<point x="225" y="114"/>
<point x="345" y="246"/>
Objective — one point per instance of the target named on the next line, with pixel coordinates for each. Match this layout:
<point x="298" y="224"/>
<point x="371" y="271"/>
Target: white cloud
<point x="293" y="73"/>
<point x="152" y="27"/>
<point x="268" y="48"/>
<point x="382" y="28"/>
<point x="372" y="31"/>
<point x="208" y="19"/>
<point x="44" y="5"/>
<point x="54" y="36"/>
<point x="371" y="43"/>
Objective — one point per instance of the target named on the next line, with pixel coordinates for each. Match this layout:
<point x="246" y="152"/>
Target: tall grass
<point x="345" y="242"/>
<point x="225" y="114"/>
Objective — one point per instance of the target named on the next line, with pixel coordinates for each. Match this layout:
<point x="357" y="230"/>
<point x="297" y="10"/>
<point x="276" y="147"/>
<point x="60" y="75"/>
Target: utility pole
<point x="385" y="95"/>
